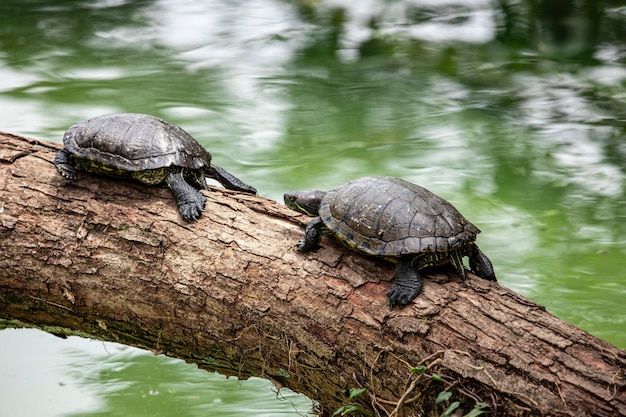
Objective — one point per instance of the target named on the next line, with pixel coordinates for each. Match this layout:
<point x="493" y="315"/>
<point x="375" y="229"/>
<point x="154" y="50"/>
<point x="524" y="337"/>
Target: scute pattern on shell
<point x="135" y="142"/>
<point x="386" y="216"/>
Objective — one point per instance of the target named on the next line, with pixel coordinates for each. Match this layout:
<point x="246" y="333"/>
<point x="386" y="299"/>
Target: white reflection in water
<point x="42" y="375"/>
<point x="564" y="117"/>
<point x="249" y="45"/>
<point x="471" y="21"/>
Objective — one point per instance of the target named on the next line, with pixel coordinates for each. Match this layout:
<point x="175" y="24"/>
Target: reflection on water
<point x="515" y="113"/>
<point x="43" y="375"/>
<point x="33" y="379"/>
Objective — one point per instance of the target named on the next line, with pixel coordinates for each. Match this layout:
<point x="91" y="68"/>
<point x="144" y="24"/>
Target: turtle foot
<point x="399" y="295"/>
<point x="190" y="201"/>
<point x="408" y="284"/>
<point x="63" y="163"/>
<point x="191" y="206"/>
<point x="305" y="246"/>
<point x="67" y="171"/>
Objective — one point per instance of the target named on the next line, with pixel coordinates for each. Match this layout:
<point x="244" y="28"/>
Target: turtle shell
<point x="129" y="142"/>
<point x="386" y="216"/>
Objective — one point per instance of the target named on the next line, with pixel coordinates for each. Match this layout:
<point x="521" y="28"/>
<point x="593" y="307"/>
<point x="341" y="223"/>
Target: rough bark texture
<point x="114" y="260"/>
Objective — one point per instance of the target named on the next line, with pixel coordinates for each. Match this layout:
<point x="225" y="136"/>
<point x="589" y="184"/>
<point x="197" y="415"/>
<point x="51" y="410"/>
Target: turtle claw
<point x="300" y="245"/>
<point x="67" y="171"/>
<point x="63" y="163"/>
<point x="192" y="209"/>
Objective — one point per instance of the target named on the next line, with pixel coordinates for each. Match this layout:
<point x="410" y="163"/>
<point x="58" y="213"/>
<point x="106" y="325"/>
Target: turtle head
<point x="305" y="202"/>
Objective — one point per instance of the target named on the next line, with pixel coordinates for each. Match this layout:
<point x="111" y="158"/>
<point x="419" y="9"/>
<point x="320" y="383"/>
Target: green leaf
<point x="419" y="369"/>
<point x="436" y="377"/>
<point x="346" y="409"/>
<point x="284" y="373"/>
<point x="477" y="410"/>
<point x="443" y="396"/>
<point x="352" y="408"/>
<point x="451" y="409"/>
<point x="355" y="392"/>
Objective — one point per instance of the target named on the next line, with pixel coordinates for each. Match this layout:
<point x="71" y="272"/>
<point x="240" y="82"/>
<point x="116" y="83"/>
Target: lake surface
<point x="515" y="115"/>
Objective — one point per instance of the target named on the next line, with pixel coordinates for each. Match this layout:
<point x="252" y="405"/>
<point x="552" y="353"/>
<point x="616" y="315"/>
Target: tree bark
<point x="112" y="259"/>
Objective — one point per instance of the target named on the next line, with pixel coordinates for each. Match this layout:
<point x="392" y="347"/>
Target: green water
<point x="516" y="114"/>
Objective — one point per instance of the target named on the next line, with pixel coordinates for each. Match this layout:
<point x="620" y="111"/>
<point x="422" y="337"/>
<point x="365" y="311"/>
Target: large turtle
<point x="397" y="220"/>
<point x="147" y="149"/>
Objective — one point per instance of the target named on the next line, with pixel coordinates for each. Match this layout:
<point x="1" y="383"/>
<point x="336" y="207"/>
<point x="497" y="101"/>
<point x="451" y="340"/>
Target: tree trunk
<point x="113" y="259"/>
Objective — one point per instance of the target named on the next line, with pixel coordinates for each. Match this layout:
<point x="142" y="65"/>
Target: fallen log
<point x="113" y="260"/>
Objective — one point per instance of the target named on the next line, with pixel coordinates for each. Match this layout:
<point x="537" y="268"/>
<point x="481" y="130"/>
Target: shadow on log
<point x="113" y="259"/>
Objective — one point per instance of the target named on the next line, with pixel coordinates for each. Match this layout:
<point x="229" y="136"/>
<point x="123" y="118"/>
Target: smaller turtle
<point x="396" y="220"/>
<point x="147" y="149"/>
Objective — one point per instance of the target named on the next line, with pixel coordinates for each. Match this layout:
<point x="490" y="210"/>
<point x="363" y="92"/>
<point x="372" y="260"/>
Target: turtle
<point x="147" y="149"/>
<point x="396" y="220"/>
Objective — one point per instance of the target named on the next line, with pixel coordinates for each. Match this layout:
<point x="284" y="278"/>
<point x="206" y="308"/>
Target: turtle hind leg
<point x="190" y="201"/>
<point x="481" y="265"/>
<point x="229" y="181"/>
<point x="65" y="166"/>
<point x="407" y="286"/>
<point x="456" y="259"/>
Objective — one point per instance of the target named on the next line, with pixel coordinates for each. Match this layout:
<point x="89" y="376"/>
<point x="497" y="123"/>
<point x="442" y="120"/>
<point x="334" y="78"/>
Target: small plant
<point x="347" y="409"/>
<point x="479" y="407"/>
<point x="443" y="396"/>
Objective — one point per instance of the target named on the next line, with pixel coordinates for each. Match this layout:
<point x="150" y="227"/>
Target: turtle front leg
<point x="481" y="265"/>
<point x="190" y="201"/>
<point x="229" y="181"/>
<point x="312" y="235"/>
<point x="65" y="166"/>
<point x="407" y="286"/>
